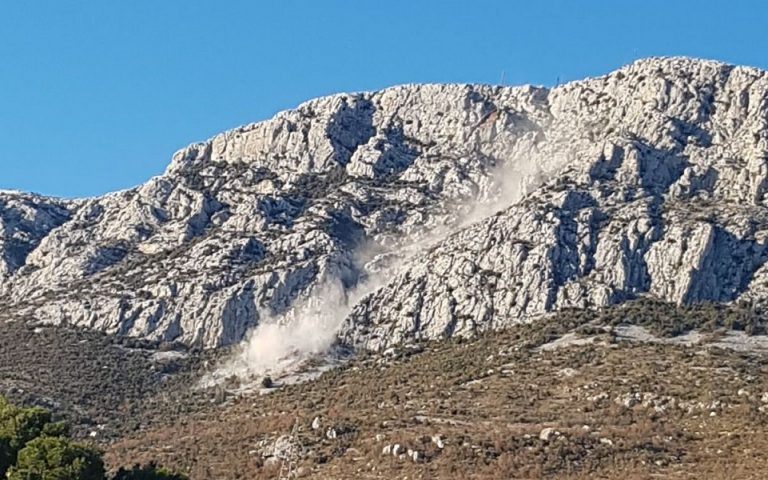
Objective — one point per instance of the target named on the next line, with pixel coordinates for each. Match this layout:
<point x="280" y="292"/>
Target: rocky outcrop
<point x="666" y="199"/>
<point x="241" y="226"/>
<point x="518" y="201"/>
<point x="24" y="221"/>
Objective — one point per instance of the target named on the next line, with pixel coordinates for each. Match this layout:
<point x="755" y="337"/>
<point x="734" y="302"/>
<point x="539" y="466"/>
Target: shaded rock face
<point x="24" y="221"/>
<point x="518" y="201"/>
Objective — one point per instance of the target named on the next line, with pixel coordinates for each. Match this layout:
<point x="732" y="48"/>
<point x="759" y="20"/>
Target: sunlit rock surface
<point x="478" y="206"/>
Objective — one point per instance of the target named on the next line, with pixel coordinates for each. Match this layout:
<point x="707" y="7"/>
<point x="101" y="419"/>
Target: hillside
<point x="638" y="390"/>
<point x="574" y="396"/>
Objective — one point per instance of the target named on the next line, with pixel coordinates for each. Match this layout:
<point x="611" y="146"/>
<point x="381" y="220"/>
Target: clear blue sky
<point x="98" y="94"/>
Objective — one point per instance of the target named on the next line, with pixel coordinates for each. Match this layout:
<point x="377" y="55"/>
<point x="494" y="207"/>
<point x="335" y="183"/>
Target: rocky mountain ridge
<point x="520" y="201"/>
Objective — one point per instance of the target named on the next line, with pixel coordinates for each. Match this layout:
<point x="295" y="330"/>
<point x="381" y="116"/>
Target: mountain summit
<point x="420" y="211"/>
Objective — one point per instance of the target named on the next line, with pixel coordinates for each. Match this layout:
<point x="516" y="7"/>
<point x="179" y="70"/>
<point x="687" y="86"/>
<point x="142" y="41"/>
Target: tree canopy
<point x="57" y="458"/>
<point x="34" y="447"/>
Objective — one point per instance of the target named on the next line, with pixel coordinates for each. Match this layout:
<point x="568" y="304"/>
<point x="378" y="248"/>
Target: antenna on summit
<point x="503" y="77"/>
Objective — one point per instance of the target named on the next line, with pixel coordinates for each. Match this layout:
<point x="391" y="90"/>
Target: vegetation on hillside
<point x="498" y="407"/>
<point x="138" y="406"/>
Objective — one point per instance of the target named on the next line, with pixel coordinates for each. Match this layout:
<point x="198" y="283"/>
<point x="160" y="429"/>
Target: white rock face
<point x="664" y="195"/>
<point x="650" y="180"/>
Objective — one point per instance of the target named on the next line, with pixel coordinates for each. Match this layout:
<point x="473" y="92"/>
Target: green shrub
<point x="18" y="426"/>
<point x="147" y="472"/>
<point x="34" y="447"/>
<point x="56" y="458"/>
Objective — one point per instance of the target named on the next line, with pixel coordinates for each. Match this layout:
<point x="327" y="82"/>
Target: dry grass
<point x="489" y="399"/>
<point x="96" y="382"/>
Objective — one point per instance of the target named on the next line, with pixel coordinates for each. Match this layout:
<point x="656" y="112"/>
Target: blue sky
<point x="96" y="95"/>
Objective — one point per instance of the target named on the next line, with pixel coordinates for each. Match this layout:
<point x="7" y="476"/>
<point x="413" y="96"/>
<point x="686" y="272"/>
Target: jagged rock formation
<point x="240" y="226"/>
<point x="666" y="196"/>
<point x="650" y="180"/>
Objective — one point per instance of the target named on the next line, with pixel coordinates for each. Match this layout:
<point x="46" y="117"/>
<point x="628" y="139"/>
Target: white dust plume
<point x="282" y="344"/>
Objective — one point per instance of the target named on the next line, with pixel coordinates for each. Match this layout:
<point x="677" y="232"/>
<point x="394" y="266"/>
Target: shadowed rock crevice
<point x="637" y="280"/>
<point x="572" y="256"/>
<point x="282" y="210"/>
<point x="605" y="167"/>
<point x="105" y="257"/>
<point x="24" y="223"/>
<point x="239" y="315"/>
<point x="350" y="126"/>
<point x="397" y="152"/>
<point x="658" y="169"/>
<point x="726" y="269"/>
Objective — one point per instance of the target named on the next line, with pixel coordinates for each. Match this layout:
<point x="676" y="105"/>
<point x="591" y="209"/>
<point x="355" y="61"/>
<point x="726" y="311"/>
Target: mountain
<point x="428" y="210"/>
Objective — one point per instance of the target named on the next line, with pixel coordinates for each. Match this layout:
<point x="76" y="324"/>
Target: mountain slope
<point x="668" y="202"/>
<point x="240" y="226"/>
<point x="650" y="180"/>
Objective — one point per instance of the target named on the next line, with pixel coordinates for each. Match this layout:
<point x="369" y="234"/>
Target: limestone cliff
<point x="518" y="201"/>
